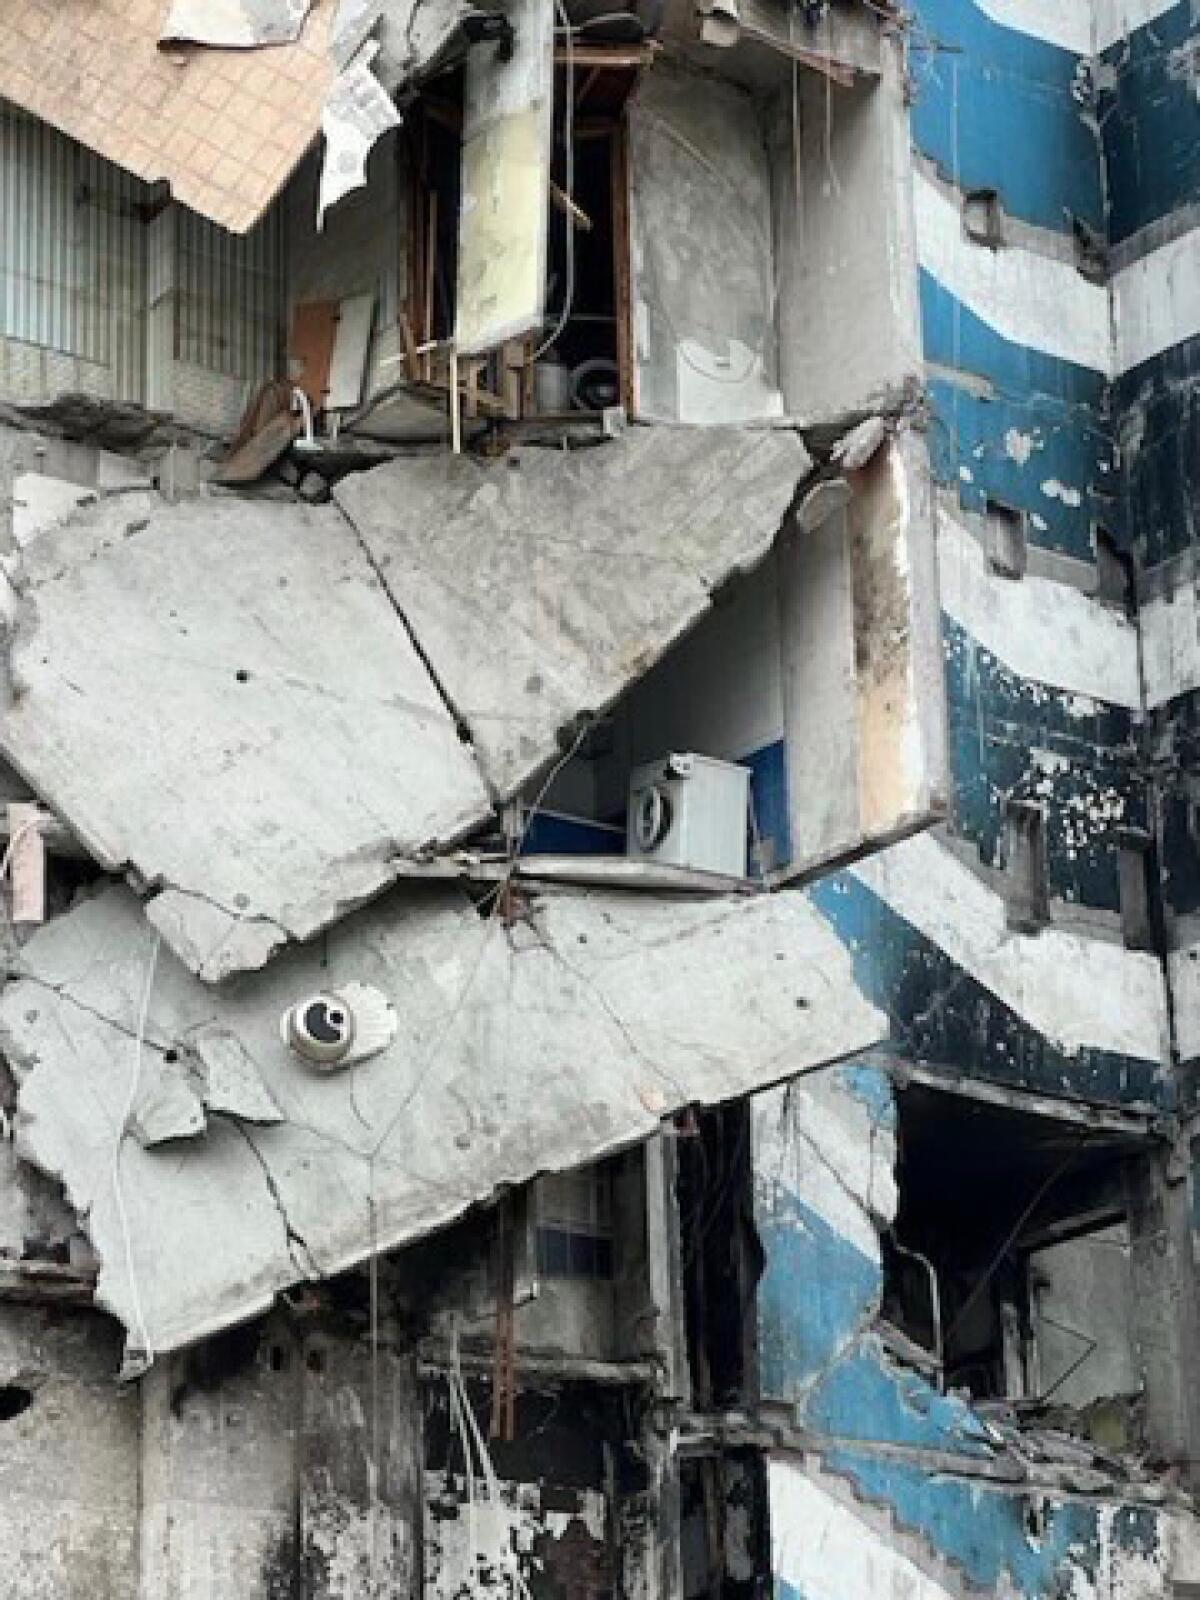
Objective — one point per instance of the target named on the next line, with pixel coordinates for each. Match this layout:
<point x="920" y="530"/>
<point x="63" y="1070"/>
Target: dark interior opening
<point x="15" y="1399"/>
<point x="723" y="1526"/>
<point x="983" y="1189"/>
<point x="434" y="127"/>
<point x="583" y="280"/>
<point x="721" y="1256"/>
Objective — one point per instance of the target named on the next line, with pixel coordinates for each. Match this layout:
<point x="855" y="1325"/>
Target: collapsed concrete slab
<point x="541" y="585"/>
<point x="223" y="699"/>
<point x="220" y="697"/>
<point x="524" y="1045"/>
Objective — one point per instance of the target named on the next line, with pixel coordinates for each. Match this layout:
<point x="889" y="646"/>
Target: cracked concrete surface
<point x="218" y="697"/>
<point x="520" y="1049"/>
<point x="261" y="711"/>
<point x="542" y="585"/>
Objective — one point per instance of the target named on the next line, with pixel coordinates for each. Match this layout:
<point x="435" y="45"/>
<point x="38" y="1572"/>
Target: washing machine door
<point x="651" y="820"/>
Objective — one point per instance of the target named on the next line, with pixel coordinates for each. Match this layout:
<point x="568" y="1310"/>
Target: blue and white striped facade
<point x="1062" y="376"/>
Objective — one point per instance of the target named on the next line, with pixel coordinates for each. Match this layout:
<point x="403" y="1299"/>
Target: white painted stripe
<point x="853" y="1184"/>
<point x="1084" y="27"/>
<point x="824" y="1551"/>
<point x="1039" y="629"/>
<point x="1080" y="993"/>
<point x="1117" y="19"/>
<point x="1171" y="645"/>
<point x="1156" y="301"/>
<point x="1030" y="299"/>
<point x="1069" y="24"/>
<point x="1183" y="967"/>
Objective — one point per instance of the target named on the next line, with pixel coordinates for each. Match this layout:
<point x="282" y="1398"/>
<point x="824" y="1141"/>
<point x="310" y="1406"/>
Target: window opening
<point x="1006" y="541"/>
<point x="1027" y="896"/>
<point x="575" y="1224"/>
<point x="1136" y="877"/>
<point x="1008" y="1265"/>
<point x="722" y="1258"/>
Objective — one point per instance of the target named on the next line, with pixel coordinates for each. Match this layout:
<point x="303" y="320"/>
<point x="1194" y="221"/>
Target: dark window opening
<point x="1006" y="540"/>
<point x="15" y="1399"/>
<point x="434" y="131"/>
<point x="983" y="217"/>
<point x="1115" y="578"/>
<point x="1026" y="894"/>
<point x="1137" y="877"/>
<point x="720" y="1252"/>
<point x="585" y="363"/>
<point x="724" y="1545"/>
<point x="574" y="1228"/>
<point x="1008" y="1268"/>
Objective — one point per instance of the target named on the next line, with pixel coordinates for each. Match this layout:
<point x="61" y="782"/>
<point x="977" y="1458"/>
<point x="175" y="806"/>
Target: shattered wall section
<point x="208" y="736"/>
<point x="890" y="1486"/>
<point x="69" y="1495"/>
<point x="557" y="578"/>
<point x="536" y="1047"/>
<point x="562" y="1484"/>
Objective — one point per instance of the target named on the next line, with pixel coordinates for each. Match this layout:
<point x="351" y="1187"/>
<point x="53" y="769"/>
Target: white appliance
<point x="690" y="811"/>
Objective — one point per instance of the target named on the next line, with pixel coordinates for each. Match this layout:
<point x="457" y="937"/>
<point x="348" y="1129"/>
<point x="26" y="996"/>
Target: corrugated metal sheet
<point x="230" y="295"/>
<point x="70" y="250"/>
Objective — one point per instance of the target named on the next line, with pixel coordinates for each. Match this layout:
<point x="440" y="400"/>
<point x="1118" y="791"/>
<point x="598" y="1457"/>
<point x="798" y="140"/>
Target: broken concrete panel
<point x="863" y="675"/>
<point x="234" y="24"/>
<point x="40" y="502"/>
<point x="356" y="115"/>
<point x="413" y="35"/>
<point x="231" y="1081"/>
<point x="540" y="586"/>
<point x="534" y="1047"/>
<point x="167" y="1108"/>
<point x="219" y="696"/>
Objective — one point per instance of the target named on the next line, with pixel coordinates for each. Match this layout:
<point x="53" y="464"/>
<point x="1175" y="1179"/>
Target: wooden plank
<point x="352" y="342"/>
<point x="623" y="290"/>
<point x="606" y="55"/>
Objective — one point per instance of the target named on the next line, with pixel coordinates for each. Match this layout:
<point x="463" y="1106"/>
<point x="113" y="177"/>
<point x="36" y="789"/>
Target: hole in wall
<point x="15" y="1398"/>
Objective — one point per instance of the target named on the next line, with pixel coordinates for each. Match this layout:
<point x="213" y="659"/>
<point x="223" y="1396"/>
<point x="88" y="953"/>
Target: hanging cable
<point x="146" y="1352"/>
<point x="569" y="185"/>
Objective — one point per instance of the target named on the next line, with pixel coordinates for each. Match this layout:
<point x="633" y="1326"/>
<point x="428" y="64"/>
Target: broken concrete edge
<point x="570" y="731"/>
<point x="841" y="1034"/>
<point x="217" y="939"/>
<point x="259" y="1303"/>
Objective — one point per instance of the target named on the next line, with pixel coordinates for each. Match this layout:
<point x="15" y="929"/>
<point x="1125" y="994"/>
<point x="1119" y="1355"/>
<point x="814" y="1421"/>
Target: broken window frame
<point x="575" y="1210"/>
<point x="499" y="384"/>
<point x="1074" y="1183"/>
<point x="1027" y="896"/>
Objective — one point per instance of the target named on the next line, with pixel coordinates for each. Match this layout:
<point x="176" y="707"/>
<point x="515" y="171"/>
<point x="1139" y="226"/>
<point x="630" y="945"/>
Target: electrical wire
<point x="497" y="895"/>
<point x="145" y="1355"/>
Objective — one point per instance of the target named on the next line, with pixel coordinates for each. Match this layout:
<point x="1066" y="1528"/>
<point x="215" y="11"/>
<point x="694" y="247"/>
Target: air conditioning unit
<point x="690" y="811"/>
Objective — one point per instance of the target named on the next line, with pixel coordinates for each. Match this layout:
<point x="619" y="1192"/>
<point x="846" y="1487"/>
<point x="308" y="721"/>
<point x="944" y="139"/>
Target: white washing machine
<point x="690" y="811"/>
